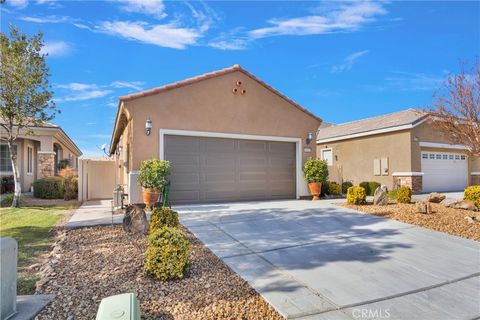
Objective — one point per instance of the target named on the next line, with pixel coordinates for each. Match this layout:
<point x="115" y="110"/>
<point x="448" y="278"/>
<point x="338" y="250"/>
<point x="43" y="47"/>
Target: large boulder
<point x="435" y="197"/>
<point x="135" y="220"/>
<point x="380" y="197"/>
<point x="464" y="204"/>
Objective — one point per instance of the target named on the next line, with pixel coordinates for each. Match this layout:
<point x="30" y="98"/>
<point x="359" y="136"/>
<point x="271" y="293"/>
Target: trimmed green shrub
<point x="472" y="193"/>
<point x="404" y="195"/>
<point x="370" y="187"/>
<point x="7" y="200"/>
<point x="315" y="170"/>
<point x="154" y="173"/>
<point x="334" y="188"/>
<point x="392" y="194"/>
<point x="167" y="254"/>
<point x="163" y="217"/>
<point x="49" y="188"/>
<point x="356" y="195"/>
<point x="346" y="185"/>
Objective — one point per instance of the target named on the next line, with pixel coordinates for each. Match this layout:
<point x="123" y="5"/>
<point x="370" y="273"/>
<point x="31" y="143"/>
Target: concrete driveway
<point x="315" y="260"/>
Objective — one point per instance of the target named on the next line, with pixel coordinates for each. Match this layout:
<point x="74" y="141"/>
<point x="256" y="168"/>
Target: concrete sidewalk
<point x="93" y="213"/>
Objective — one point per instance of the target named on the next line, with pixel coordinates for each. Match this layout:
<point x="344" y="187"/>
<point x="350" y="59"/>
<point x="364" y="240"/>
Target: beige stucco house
<point x="402" y="148"/>
<point x="38" y="155"/>
<point x="229" y="136"/>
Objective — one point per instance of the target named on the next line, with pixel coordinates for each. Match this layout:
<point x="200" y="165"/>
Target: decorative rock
<point x="435" y="197"/>
<point x="469" y="219"/>
<point x="464" y="204"/>
<point x="135" y="219"/>
<point x="380" y="197"/>
<point x="423" y="207"/>
<point x="448" y="202"/>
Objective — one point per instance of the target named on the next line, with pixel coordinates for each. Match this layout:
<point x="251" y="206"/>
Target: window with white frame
<point x="327" y="155"/>
<point x="29" y="160"/>
<point x="5" y="161"/>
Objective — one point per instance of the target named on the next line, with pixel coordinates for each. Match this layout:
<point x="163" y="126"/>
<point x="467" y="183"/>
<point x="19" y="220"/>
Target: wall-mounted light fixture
<point x="118" y="151"/>
<point x="148" y="127"/>
<point x="309" y="137"/>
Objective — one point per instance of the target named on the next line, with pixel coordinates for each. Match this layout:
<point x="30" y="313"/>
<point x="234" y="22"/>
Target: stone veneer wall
<point x="475" y="180"/>
<point x="46" y="164"/>
<point x="413" y="182"/>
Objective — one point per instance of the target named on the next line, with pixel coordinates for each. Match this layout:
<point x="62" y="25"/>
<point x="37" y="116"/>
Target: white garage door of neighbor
<point x="444" y="171"/>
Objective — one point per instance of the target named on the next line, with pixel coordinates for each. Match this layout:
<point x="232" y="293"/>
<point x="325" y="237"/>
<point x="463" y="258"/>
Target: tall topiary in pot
<point x="315" y="172"/>
<point x="153" y="177"/>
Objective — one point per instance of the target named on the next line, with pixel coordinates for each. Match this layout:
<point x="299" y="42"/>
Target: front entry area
<point x="443" y="171"/>
<point x="210" y="169"/>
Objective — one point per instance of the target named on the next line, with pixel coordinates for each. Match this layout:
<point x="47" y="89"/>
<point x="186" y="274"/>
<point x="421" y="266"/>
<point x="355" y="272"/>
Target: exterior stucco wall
<point x="67" y="153"/>
<point x="211" y="106"/>
<point x="353" y="160"/>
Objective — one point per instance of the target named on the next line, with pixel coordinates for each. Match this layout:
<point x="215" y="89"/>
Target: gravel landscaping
<point x="94" y="263"/>
<point x="451" y="221"/>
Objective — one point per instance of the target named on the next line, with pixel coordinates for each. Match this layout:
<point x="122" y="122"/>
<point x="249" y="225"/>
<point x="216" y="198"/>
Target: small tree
<point x="25" y="96"/>
<point x="456" y="110"/>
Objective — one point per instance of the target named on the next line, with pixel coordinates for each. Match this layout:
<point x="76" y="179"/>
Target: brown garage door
<point x="216" y="169"/>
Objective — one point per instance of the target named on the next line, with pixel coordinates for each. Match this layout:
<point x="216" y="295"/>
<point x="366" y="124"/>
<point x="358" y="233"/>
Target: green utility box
<point x="120" y="307"/>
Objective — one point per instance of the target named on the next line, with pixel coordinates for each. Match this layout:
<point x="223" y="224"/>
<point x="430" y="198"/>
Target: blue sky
<point x="341" y="60"/>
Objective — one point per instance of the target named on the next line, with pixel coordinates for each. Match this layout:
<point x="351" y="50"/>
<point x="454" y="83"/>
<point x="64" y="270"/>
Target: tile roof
<point x="364" y="126"/>
<point x="209" y="75"/>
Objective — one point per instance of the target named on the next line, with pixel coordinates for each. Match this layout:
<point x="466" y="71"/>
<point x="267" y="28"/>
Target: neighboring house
<point x="401" y="148"/>
<point x="38" y="155"/>
<point x="229" y="136"/>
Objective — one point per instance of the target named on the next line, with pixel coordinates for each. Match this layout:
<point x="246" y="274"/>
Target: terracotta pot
<point x="315" y="190"/>
<point x="150" y="196"/>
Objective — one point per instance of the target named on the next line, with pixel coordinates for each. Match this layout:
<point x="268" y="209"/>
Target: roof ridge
<point x="377" y="116"/>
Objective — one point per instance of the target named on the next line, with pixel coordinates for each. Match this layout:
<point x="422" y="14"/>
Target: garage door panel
<point x="444" y="171"/>
<point x="176" y="144"/>
<point x="231" y="169"/>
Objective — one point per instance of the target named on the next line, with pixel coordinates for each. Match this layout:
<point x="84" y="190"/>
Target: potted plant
<point x="315" y="172"/>
<point x="153" y="176"/>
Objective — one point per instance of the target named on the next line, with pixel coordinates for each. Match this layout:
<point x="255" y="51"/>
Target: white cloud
<point x="75" y="86"/>
<point x="155" y="8"/>
<point x="163" y="35"/>
<point x="349" y="61"/>
<point x="56" y="48"/>
<point x="343" y="17"/>
<point x="414" y="81"/>
<point x="84" y="95"/>
<point x="137" y="85"/>
<point x="229" y="44"/>
<point x="46" y="19"/>
<point x="19" y="4"/>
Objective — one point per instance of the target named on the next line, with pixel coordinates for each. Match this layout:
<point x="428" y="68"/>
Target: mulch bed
<point x="95" y="263"/>
<point x="451" y="221"/>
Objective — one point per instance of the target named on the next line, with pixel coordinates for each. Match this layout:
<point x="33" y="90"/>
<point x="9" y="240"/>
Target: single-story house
<point x="229" y="136"/>
<point x="38" y="154"/>
<point x="401" y="148"/>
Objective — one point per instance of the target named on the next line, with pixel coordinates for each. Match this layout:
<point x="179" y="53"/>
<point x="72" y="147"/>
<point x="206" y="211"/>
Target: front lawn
<point x="31" y="227"/>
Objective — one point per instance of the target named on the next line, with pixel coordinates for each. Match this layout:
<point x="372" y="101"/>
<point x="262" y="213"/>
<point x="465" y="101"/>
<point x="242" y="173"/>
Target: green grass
<point x="30" y="226"/>
<point x="26" y="284"/>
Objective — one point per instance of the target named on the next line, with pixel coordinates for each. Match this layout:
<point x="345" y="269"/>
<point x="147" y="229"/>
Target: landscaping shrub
<point x="346" y="185"/>
<point x="370" y="187"/>
<point x="373" y="185"/>
<point x="315" y="170"/>
<point x="404" y="195"/>
<point x="325" y="189"/>
<point x="334" y="188"/>
<point x="356" y="195"/>
<point x="167" y="254"/>
<point x="472" y="193"/>
<point x="7" y="200"/>
<point x="70" y="183"/>
<point x="154" y="173"/>
<point x="392" y="194"/>
<point x="49" y="188"/>
<point x="163" y="217"/>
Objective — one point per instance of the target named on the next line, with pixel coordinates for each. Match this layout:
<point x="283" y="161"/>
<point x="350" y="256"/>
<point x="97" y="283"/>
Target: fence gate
<point x="96" y="179"/>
